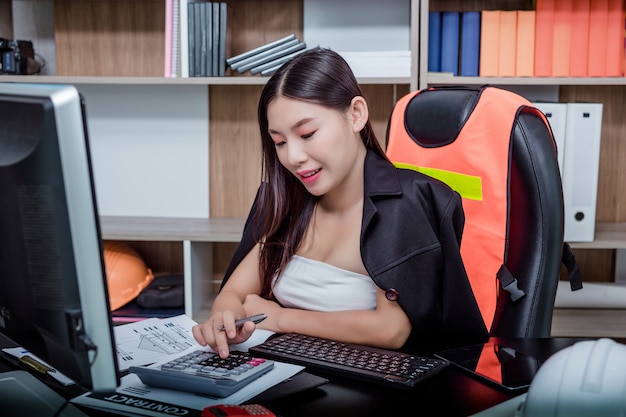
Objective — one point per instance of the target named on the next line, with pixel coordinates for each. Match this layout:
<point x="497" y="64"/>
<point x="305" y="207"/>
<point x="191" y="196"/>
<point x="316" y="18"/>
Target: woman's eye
<point x="279" y="144"/>
<point x="307" y="135"/>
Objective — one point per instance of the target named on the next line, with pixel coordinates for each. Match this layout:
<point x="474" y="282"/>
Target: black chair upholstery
<point x="536" y="220"/>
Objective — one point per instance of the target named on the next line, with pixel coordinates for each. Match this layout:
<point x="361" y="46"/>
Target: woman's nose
<point x="296" y="153"/>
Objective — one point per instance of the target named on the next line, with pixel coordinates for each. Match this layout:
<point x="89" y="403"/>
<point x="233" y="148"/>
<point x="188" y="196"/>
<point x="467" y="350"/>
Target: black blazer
<point x="410" y="240"/>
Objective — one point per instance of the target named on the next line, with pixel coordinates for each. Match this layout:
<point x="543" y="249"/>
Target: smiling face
<point x="322" y="147"/>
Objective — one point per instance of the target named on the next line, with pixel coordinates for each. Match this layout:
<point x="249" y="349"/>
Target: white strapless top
<point x="313" y="285"/>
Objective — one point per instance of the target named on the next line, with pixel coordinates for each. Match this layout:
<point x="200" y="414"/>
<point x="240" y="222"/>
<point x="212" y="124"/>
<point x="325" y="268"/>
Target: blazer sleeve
<point x="461" y="315"/>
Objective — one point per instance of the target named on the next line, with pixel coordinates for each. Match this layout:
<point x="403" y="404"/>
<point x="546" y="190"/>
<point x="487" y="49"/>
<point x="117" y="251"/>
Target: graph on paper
<point x="153" y="340"/>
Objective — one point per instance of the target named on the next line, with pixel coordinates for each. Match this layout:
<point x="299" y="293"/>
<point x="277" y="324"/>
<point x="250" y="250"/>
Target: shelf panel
<point x="607" y="236"/>
<point x="442" y="79"/>
<point x="171" y="229"/>
<point x="52" y="79"/>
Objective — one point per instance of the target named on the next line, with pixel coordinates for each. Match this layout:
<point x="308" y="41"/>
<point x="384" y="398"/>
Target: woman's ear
<point x="358" y="113"/>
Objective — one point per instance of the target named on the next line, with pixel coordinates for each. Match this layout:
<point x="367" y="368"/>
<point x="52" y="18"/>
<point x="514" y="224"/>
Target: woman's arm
<point x="228" y="307"/>
<point x="387" y="326"/>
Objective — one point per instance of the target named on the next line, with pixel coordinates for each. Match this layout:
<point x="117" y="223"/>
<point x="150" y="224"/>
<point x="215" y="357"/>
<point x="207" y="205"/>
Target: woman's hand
<point x="208" y="333"/>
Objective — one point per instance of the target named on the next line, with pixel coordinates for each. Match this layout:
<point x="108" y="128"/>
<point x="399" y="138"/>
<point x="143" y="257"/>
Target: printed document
<point x="154" y="340"/>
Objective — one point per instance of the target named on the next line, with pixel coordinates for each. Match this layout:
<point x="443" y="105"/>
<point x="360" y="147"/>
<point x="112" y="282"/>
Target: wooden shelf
<point x="243" y="80"/>
<point x="123" y="64"/>
<point x="601" y="260"/>
<point x="171" y="229"/>
<point x="607" y="236"/>
<point x="588" y="322"/>
<point x="549" y="81"/>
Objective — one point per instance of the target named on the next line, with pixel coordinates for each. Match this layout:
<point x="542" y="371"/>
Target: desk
<point x="451" y="393"/>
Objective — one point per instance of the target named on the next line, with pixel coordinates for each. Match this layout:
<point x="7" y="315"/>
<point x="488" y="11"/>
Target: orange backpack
<point x="466" y="143"/>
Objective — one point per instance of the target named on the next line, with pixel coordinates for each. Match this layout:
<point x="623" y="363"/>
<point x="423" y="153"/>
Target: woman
<point x="339" y="243"/>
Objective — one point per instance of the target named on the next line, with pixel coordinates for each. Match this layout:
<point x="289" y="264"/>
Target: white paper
<point x="379" y="63"/>
<point x="156" y="340"/>
<point x="133" y="396"/>
<point x="153" y="340"/>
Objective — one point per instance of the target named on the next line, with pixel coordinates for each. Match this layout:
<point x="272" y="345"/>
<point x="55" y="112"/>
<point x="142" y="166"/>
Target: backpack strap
<point x="509" y="283"/>
<point x="573" y="273"/>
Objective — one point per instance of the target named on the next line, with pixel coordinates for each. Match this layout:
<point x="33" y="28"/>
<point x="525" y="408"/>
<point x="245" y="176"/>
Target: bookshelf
<point x="603" y="259"/>
<point x="176" y="160"/>
<point x="113" y="51"/>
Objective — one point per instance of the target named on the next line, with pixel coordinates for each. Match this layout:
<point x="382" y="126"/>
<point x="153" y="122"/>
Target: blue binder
<point x="470" y="43"/>
<point x="450" y="27"/>
<point x="434" y="41"/>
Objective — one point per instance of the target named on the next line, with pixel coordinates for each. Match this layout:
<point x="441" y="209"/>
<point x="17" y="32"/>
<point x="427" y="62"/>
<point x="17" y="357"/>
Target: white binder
<point x="580" y="170"/>
<point x="556" y="114"/>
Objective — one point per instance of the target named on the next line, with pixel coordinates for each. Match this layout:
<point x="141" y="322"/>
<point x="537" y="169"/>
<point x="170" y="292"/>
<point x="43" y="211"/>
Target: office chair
<point x="498" y="151"/>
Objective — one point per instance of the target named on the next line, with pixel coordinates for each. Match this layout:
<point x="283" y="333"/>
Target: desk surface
<point x="451" y="392"/>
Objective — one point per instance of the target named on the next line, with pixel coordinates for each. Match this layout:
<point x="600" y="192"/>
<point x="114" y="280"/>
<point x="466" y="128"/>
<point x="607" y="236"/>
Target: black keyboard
<point x="365" y="363"/>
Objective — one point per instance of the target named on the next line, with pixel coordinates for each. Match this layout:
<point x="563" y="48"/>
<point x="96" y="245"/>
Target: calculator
<point x="205" y="372"/>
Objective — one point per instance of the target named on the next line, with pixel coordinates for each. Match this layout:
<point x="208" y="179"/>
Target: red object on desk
<point x="231" y="410"/>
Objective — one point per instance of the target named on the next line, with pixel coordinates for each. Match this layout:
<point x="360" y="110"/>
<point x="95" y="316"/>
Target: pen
<point x="258" y="318"/>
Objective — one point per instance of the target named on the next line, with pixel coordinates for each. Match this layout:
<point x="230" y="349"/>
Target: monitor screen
<point x="53" y="289"/>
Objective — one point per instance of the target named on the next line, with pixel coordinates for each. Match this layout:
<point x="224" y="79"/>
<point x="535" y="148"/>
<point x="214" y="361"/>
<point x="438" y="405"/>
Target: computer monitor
<point x="53" y="290"/>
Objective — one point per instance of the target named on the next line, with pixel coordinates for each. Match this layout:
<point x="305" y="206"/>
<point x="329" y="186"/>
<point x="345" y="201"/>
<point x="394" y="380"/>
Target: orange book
<point x="544" y="34"/>
<point x="598" y="20"/>
<point x="508" y="43"/>
<point x="525" y="50"/>
<point x="615" y="39"/>
<point x="561" y="38"/>
<point x="579" y="37"/>
<point x="489" y="43"/>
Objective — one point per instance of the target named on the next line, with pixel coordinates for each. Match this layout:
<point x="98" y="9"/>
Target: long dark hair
<point x="285" y="207"/>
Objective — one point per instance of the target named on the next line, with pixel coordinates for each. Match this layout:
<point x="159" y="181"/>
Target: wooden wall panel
<point x="161" y="257"/>
<point x="110" y="38"/>
<point x="6" y="19"/>
<point x="596" y="265"/>
<point x="234" y="149"/>
<point x="381" y="99"/>
<point x="222" y="253"/>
